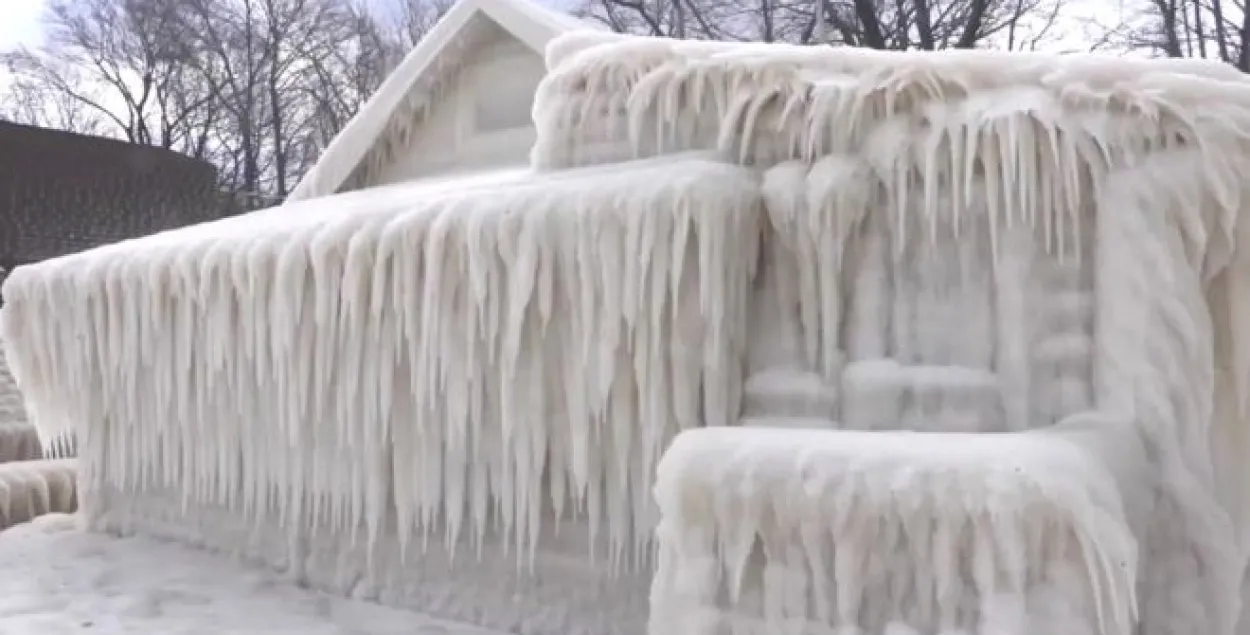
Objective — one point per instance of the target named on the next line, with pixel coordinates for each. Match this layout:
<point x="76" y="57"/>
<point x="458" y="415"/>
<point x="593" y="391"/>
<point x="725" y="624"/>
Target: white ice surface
<point x="376" y="388"/>
<point x="57" y="579"/>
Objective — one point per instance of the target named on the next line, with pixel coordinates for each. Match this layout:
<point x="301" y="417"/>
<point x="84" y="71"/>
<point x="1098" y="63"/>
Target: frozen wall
<point x="482" y="120"/>
<point x="967" y="242"/>
<point x="450" y="396"/>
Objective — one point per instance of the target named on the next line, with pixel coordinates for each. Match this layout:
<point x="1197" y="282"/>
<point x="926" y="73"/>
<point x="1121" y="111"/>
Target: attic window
<point x="505" y="107"/>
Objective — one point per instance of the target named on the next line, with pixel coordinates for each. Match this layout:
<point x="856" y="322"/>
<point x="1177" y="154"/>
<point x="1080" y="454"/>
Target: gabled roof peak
<point x="528" y="22"/>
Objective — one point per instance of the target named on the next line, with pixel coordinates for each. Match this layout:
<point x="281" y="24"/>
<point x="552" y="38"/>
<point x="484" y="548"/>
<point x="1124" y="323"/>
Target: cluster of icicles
<point x="477" y="359"/>
<point x="467" y="356"/>
<point x="1027" y="134"/>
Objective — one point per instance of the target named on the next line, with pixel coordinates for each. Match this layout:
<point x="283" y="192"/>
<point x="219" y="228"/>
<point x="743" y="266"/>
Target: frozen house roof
<point x="387" y="119"/>
<point x="62" y="192"/>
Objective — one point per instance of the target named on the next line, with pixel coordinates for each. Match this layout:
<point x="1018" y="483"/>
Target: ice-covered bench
<point x="800" y="531"/>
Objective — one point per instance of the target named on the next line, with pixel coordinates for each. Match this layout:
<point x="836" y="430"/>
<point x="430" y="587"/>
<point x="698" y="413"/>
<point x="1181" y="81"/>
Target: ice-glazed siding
<point x="483" y="121"/>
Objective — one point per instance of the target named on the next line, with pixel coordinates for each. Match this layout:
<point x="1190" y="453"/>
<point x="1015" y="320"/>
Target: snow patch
<point x="59" y="579"/>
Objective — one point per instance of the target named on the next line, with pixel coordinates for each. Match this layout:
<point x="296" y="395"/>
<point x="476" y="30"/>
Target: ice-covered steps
<point x="20" y="442"/>
<point x="782" y="392"/>
<point x="1067" y="309"/>
<point x="810" y="423"/>
<point x="1061" y="349"/>
<point x="885" y="395"/>
<point x="1064" y="351"/>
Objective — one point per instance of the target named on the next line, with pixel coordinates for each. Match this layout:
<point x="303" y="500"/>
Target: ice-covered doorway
<point x="903" y="317"/>
<point x="930" y="312"/>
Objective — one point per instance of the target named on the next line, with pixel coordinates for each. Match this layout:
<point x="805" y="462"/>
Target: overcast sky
<point x="21" y="23"/>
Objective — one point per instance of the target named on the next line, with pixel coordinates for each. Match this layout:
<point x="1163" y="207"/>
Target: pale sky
<point x="20" y="21"/>
<point x="20" y="24"/>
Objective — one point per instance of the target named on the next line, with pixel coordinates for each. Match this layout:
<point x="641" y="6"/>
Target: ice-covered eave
<point x="605" y="48"/>
<point x="766" y="103"/>
<point x="401" y="101"/>
<point x="267" y="224"/>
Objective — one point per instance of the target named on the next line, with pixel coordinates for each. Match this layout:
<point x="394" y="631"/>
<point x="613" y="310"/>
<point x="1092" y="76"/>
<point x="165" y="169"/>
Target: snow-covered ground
<point x="57" y="579"/>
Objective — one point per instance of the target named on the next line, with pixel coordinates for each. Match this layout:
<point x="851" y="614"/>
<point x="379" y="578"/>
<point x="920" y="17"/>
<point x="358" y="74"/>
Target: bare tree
<point x="369" y="46"/>
<point x="415" y="18"/>
<point x="249" y="55"/>
<point x="893" y="24"/>
<point x="255" y="86"/>
<point x="1213" y="29"/>
<point x="121" y="61"/>
<point x="27" y="101"/>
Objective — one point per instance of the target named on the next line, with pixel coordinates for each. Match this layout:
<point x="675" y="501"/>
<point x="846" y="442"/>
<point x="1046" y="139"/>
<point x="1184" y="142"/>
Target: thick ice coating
<point x="1003" y="297"/>
<point x="972" y="242"/>
<point x="608" y="97"/>
<point x="422" y="357"/>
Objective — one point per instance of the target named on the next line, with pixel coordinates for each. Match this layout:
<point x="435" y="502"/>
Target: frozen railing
<point x="795" y="531"/>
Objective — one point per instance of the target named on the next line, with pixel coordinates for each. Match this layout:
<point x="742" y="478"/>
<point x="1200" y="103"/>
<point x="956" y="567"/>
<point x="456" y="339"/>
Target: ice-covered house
<point x="767" y="340"/>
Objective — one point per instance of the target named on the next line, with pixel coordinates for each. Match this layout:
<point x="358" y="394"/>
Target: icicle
<point x="405" y="347"/>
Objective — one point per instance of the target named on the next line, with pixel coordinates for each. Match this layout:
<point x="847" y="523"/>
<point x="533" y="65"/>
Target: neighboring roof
<point x="62" y="192"/>
<point x="75" y="152"/>
<point x="530" y="23"/>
